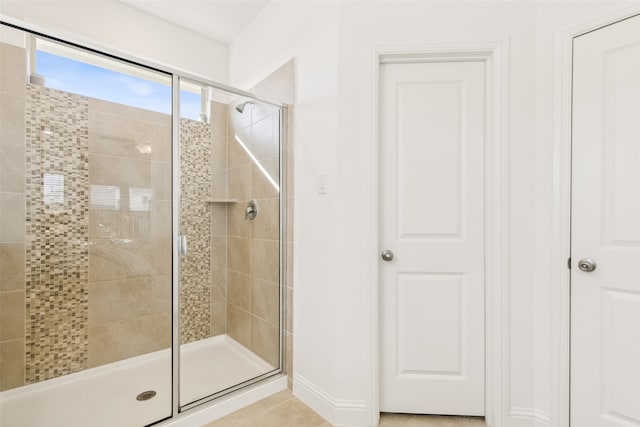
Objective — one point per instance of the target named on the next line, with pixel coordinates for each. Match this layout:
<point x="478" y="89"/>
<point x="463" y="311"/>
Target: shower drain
<point x="146" y="395"/>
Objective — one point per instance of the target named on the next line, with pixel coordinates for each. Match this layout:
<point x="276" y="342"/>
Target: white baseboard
<point x="339" y="412"/>
<point x="314" y="397"/>
<point x="351" y="413"/>
<point x="528" y="417"/>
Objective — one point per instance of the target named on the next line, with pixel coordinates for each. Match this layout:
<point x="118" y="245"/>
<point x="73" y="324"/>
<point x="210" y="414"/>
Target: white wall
<point x="333" y="251"/>
<point x="113" y="26"/>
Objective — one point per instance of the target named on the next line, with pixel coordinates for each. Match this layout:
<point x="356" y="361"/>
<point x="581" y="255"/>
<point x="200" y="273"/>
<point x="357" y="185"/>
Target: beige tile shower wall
<point x="129" y="231"/>
<point x="279" y="87"/>
<point x="253" y="295"/>
<point x="12" y="215"/>
<point x="218" y="163"/>
<point x="253" y="248"/>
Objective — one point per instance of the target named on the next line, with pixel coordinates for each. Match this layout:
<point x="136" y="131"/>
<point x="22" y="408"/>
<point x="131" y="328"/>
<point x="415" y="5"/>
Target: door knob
<point x="587" y="265"/>
<point x="387" y="255"/>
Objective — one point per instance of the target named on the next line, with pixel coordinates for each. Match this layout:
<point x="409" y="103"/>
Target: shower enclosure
<point x="141" y="230"/>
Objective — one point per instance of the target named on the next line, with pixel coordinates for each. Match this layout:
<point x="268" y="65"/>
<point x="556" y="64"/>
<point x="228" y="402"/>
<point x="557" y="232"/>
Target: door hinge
<point x="569" y="263"/>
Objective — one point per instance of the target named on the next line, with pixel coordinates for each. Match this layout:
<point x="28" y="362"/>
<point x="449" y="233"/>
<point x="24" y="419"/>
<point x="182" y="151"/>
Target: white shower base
<point x="106" y="396"/>
<point x="215" y="364"/>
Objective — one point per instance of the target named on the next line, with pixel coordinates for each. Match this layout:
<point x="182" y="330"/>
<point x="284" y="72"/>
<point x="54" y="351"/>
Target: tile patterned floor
<point x="285" y="410"/>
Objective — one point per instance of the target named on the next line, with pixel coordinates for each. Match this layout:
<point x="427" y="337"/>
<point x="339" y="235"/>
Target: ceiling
<point x="220" y="20"/>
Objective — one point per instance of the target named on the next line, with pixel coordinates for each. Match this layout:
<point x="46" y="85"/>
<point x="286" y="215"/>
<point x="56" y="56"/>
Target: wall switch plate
<point x="322" y="183"/>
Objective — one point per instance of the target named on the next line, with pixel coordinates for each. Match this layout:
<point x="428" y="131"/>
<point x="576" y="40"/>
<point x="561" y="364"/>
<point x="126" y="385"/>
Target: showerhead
<point x="240" y="107"/>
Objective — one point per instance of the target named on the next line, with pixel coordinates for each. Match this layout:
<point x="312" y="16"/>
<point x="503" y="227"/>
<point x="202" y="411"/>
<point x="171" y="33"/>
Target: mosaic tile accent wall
<point x="57" y="221"/>
<point x="195" y="222"/>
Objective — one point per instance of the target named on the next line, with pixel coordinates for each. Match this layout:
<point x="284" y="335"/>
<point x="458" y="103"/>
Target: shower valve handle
<point x="251" y="212"/>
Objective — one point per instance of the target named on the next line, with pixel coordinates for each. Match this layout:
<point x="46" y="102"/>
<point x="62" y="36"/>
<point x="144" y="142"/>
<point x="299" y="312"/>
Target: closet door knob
<point x="587" y="265"/>
<point x="387" y="255"/>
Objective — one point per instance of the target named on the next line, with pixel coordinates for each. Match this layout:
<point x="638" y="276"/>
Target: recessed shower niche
<point x="134" y="286"/>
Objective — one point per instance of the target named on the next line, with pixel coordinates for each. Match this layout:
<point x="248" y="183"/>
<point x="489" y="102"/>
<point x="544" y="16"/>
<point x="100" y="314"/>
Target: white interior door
<point x="605" y="303"/>
<point x="432" y="219"/>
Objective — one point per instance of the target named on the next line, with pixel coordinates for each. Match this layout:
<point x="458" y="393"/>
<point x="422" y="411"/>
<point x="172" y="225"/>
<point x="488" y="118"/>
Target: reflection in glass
<point x="257" y="164"/>
<point x="104" y="197"/>
<point x="140" y="199"/>
<point x="53" y="189"/>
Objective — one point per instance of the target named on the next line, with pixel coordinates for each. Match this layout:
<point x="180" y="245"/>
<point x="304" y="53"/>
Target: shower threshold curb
<point x="216" y="409"/>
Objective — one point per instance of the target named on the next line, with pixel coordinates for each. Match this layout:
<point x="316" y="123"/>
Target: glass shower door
<point x="229" y="213"/>
<point x="85" y="238"/>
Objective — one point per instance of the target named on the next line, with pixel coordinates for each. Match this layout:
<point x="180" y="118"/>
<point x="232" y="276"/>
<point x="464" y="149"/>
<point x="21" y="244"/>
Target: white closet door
<point x="605" y="303"/>
<point x="432" y="219"/>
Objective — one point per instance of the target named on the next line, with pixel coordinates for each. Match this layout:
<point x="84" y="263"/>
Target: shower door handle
<point x="182" y="245"/>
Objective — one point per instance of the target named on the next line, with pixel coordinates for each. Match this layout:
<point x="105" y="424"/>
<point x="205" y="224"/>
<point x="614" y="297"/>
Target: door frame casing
<point x="560" y="303"/>
<point x="497" y="357"/>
